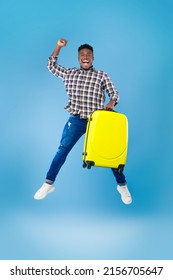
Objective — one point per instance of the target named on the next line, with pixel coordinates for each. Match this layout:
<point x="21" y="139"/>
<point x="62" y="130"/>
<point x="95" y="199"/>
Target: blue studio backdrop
<point x="85" y="218"/>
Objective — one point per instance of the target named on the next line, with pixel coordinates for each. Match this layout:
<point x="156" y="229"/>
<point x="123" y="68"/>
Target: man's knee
<point x="64" y="148"/>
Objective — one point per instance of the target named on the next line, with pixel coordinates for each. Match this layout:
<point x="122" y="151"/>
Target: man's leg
<point x="120" y="177"/>
<point x="122" y="186"/>
<point x="73" y="130"/>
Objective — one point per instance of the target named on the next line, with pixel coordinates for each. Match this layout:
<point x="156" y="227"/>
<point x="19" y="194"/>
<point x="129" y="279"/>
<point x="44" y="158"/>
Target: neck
<point x="91" y="67"/>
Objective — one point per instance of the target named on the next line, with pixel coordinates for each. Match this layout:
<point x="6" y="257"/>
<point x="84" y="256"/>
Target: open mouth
<point x="85" y="61"/>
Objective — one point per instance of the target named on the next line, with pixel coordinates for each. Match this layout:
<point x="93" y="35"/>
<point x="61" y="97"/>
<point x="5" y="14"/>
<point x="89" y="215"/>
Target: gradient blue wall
<point x="85" y="218"/>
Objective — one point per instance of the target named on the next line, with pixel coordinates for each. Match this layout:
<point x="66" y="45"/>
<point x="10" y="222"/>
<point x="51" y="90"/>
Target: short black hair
<point x="85" y="46"/>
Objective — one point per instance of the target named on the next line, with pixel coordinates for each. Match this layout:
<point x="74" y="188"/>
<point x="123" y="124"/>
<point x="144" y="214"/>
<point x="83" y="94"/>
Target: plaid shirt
<point x="85" y="88"/>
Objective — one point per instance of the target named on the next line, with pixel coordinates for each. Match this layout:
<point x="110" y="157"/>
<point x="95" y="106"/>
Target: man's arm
<point x="52" y="66"/>
<point x="110" y="106"/>
<point x="61" y="43"/>
<point x="112" y="93"/>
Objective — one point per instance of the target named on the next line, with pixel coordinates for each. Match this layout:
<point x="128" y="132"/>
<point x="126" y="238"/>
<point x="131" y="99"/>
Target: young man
<point x="85" y="87"/>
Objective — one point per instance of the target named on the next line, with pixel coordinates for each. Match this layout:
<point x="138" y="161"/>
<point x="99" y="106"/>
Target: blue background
<point x="85" y="218"/>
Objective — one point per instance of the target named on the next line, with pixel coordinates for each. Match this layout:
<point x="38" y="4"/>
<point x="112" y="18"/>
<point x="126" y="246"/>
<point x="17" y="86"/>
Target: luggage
<point x="106" y="140"/>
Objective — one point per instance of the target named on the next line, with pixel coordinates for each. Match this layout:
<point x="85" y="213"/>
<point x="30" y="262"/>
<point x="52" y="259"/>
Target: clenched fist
<point x="62" y="42"/>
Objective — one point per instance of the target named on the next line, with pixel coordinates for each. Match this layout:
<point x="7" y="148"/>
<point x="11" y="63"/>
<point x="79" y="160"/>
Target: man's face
<point x="85" y="57"/>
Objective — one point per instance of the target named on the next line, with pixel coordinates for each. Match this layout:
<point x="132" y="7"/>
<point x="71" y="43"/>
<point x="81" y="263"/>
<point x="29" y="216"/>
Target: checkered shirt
<point x="85" y="88"/>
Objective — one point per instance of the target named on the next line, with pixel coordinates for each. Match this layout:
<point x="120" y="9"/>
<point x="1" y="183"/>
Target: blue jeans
<point x="73" y="130"/>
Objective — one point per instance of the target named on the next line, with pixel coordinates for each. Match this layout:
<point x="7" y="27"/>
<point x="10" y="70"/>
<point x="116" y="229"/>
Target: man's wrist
<point x="113" y="102"/>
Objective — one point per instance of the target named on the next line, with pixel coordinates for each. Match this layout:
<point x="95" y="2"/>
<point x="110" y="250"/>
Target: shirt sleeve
<point x="55" y="68"/>
<point x="111" y="89"/>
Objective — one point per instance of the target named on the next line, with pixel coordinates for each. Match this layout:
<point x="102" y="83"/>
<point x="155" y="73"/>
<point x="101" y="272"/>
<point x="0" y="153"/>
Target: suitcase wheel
<point x="89" y="166"/>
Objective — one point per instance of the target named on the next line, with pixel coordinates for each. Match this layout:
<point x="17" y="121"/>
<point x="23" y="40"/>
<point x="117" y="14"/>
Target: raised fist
<point x="62" y="42"/>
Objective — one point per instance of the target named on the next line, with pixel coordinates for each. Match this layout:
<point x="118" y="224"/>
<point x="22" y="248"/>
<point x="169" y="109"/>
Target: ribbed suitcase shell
<point x="106" y="140"/>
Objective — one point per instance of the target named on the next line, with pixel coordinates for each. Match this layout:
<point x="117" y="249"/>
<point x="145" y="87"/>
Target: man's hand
<point x="62" y="42"/>
<point x="110" y="105"/>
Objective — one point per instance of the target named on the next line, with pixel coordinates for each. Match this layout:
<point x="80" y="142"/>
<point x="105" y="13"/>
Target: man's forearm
<point x="56" y="50"/>
<point x="61" y="43"/>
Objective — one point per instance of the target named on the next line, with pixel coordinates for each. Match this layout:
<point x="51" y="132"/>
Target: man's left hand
<point x="110" y="105"/>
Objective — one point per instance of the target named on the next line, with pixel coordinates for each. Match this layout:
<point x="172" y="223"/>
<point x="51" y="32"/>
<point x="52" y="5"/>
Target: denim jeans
<point x="73" y="130"/>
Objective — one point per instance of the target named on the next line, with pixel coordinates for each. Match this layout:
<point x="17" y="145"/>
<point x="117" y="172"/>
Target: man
<point x="85" y="87"/>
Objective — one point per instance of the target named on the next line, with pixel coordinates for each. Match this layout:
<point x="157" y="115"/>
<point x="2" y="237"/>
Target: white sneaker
<point x="43" y="191"/>
<point x="125" y="194"/>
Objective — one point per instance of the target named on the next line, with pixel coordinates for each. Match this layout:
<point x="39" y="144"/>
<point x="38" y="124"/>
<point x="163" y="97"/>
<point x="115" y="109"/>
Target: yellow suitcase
<point x="106" y="140"/>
